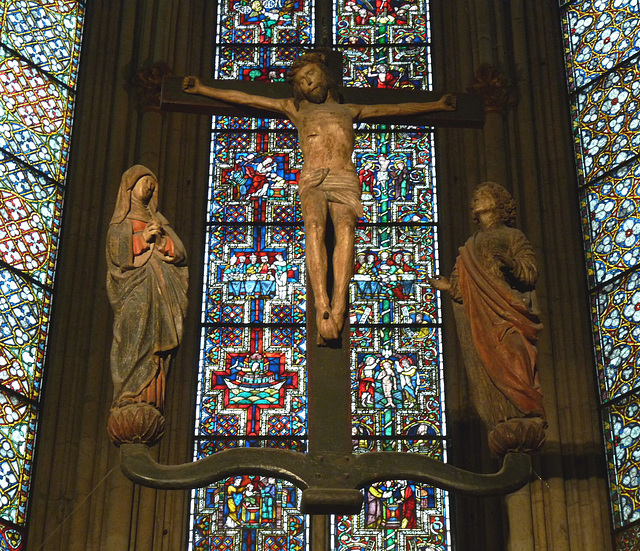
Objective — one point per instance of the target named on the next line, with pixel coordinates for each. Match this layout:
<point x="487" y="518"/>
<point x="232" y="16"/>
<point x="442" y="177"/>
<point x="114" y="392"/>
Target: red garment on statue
<point x="504" y="332"/>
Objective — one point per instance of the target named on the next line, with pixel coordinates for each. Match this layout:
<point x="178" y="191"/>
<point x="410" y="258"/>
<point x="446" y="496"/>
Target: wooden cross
<point x="329" y="474"/>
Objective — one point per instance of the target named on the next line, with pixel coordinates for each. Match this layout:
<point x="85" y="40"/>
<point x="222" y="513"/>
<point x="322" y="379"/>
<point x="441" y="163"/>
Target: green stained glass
<point x="607" y="122"/>
<point x="17" y="435"/>
<point x="392" y="67"/>
<point x="248" y="512"/>
<point x="397" y="515"/>
<point x="380" y="22"/>
<point x="24" y="321"/>
<point x="598" y="35"/>
<point x="396" y="386"/>
<point x="29" y="220"/>
<point x="47" y="33"/>
<point x="35" y="117"/>
<point x="265" y="22"/>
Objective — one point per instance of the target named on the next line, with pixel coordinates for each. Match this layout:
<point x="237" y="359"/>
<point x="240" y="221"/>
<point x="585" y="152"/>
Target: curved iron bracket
<point x="331" y="482"/>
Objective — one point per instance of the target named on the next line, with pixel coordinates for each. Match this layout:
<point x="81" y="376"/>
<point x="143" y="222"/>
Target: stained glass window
<point x="252" y="379"/>
<point x="602" y="45"/>
<point x="39" y="54"/>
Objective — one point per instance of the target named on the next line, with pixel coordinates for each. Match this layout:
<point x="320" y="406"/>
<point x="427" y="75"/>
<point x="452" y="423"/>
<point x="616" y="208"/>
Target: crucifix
<point x="330" y="475"/>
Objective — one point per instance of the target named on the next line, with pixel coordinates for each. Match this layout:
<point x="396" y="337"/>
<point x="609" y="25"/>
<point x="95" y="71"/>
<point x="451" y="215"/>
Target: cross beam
<point x="469" y="112"/>
<point x="330" y="482"/>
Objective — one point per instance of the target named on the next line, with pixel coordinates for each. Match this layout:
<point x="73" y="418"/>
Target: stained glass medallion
<point x="396" y="67"/>
<point x="397" y="514"/>
<point x="265" y="22"/>
<point x="382" y="22"/>
<point x="245" y="513"/>
<point x="258" y="40"/>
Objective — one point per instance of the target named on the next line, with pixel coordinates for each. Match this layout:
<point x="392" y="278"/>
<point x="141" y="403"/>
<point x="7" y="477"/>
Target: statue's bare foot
<point x="338" y="319"/>
<point x="327" y="330"/>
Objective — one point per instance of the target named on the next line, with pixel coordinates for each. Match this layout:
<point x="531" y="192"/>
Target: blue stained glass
<point x="607" y="122"/>
<point x="611" y="219"/>
<point x="29" y="220"/>
<point x="36" y="86"/>
<point x="598" y="35"/>
<point x="252" y="372"/>
<point x="17" y="435"/>
<point x="35" y="117"/>
<point x="47" y="33"/>
<point x="24" y="324"/>
<point x="622" y="431"/>
<point x="393" y="67"/>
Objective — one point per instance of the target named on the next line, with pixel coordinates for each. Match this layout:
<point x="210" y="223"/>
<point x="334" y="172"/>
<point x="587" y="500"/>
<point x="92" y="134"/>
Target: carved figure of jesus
<point x="329" y="184"/>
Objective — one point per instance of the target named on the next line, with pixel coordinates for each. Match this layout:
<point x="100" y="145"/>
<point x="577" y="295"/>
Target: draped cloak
<point x="503" y="329"/>
<point x="149" y="300"/>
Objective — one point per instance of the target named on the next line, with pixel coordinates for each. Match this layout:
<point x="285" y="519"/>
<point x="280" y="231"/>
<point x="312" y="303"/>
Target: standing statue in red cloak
<point x="492" y="288"/>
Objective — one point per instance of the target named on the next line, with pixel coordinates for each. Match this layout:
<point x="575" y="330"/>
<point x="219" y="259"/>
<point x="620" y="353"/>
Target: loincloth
<point x="343" y="188"/>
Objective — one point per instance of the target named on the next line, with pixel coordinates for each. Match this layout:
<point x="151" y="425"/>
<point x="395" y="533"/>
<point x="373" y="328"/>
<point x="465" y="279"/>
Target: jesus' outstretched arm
<point x="448" y="102"/>
<point x="192" y="85"/>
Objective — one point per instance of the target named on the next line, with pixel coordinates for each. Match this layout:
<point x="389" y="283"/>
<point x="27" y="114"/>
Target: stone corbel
<point x="496" y="88"/>
<point x="147" y="84"/>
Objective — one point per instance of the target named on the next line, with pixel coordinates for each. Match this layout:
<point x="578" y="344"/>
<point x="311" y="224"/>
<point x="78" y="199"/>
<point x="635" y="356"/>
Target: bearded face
<point x="312" y="83"/>
<point x="318" y="94"/>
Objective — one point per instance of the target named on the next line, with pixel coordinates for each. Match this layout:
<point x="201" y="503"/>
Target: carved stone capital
<point x="148" y="83"/>
<point x="496" y="88"/>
